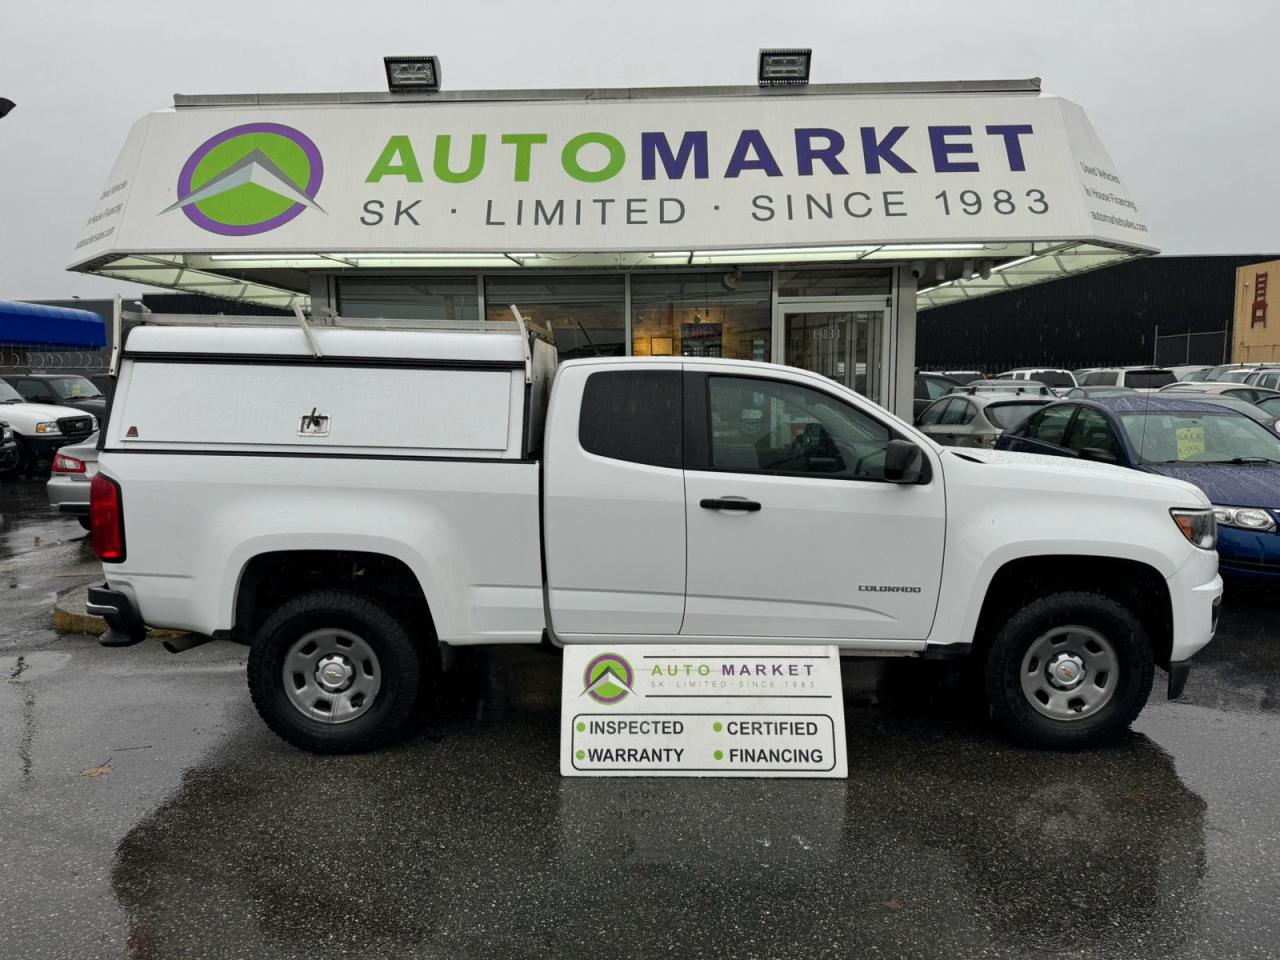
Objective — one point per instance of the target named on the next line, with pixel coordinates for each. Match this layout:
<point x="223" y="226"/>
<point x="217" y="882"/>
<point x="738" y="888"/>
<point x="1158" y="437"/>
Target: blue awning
<point x="35" y="324"/>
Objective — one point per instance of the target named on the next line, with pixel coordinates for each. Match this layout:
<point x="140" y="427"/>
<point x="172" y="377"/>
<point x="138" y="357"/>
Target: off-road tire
<point x="1009" y="705"/>
<point x="400" y="660"/>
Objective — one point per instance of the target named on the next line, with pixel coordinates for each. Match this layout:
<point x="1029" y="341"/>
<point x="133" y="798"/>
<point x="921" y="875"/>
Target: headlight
<point x="1246" y="518"/>
<point x="6" y="433"/>
<point x="1198" y="526"/>
<point x="48" y="428"/>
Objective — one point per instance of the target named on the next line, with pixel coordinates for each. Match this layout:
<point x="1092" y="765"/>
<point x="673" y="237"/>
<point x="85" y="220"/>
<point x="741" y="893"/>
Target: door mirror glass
<point x="903" y="462"/>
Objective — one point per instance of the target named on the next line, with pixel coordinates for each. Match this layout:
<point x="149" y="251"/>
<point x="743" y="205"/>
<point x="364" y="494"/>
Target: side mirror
<point x="1098" y="455"/>
<point x="903" y="462"/>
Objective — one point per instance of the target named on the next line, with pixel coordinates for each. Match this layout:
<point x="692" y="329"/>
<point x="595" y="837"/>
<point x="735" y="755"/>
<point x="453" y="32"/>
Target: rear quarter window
<point x="633" y="415"/>
<point x="1149" y="379"/>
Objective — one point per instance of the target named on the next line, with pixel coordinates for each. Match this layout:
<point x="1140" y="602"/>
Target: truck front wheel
<point x="334" y="672"/>
<point x="1069" y="670"/>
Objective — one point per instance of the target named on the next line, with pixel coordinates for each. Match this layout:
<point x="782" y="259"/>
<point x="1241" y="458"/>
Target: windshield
<point x="1149" y="379"/>
<point x="1195" y="437"/>
<point x="8" y="394"/>
<point x="1054" y="378"/>
<point x="1271" y="405"/>
<point x="1008" y="415"/>
<point x="1235" y="376"/>
<point x="74" y="388"/>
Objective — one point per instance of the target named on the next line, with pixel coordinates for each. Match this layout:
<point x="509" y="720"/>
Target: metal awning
<point x="980" y="186"/>
<point x="36" y="324"/>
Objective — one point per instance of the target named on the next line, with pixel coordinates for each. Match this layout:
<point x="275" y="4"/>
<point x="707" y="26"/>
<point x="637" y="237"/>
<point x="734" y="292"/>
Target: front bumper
<point x="121" y="615"/>
<point x="1249" y="554"/>
<point x="1195" y="593"/>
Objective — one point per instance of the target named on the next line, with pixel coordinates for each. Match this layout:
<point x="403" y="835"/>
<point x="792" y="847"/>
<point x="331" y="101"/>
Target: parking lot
<point x="150" y="814"/>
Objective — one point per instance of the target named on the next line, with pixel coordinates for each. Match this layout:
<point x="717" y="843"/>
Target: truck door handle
<point x="722" y="503"/>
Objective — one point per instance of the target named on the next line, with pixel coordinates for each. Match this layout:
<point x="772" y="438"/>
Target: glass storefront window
<point x="410" y="298"/>
<point x="841" y="344"/>
<point x="701" y="315"/>
<point x="586" y="314"/>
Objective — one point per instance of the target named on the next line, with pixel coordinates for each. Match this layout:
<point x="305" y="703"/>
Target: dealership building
<point x="800" y="224"/>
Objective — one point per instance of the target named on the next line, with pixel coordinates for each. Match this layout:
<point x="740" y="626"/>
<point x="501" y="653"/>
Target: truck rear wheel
<point x="334" y="672"/>
<point x="1069" y="670"/>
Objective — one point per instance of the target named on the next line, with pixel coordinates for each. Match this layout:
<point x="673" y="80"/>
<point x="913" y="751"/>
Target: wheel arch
<point x="268" y="579"/>
<point x="1136" y="585"/>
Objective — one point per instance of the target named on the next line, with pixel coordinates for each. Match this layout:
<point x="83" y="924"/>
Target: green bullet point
<point x="581" y="726"/>
<point x="716" y="726"/>
<point x="719" y="754"/>
<point x="582" y="754"/>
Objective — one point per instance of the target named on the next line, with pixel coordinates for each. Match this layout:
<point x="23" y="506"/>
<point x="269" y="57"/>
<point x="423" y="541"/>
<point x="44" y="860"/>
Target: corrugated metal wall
<point x="1104" y="318"/>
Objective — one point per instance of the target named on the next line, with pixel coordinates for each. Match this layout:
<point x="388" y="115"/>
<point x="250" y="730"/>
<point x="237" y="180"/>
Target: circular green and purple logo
<point x="250" y="179"/>
<point x="608" y="679"/>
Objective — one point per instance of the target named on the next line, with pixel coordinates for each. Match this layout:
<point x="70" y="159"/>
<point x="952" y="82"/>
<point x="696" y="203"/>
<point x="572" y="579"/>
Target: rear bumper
<point x="68" y="495"/>
<point x="121" y="615"/>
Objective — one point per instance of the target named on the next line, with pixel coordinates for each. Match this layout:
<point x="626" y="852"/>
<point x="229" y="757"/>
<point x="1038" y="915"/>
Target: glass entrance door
<point x="843" y="344"/>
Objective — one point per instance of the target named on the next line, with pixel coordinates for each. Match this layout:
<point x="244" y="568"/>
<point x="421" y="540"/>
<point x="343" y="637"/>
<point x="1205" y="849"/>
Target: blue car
<point x="1233" y="459"/>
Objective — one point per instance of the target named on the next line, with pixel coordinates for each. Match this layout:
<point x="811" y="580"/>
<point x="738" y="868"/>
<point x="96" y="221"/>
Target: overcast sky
<point x="1183" y="94"/>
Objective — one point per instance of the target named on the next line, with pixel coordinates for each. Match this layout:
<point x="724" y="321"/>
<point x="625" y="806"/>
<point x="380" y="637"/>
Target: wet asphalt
<point x="145" y="812"/>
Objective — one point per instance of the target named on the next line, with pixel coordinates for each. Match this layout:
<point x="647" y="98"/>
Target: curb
<point x="69" y="615"/>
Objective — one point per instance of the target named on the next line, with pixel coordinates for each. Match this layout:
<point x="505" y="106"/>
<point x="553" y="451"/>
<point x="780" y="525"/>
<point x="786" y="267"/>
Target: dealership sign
<point x="687" y="710"/>
<point x="612" y="175"/>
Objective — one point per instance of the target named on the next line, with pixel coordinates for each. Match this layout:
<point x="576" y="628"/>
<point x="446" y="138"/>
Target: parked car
<point x="67" y="390"/>
<point x="40" y="429"/>
<point x="1265" y="377"/>
<point x="975" y="420"/>
<point x="73" y="470"/>
<point x="929" y="387"/>
<point x="1223" y="388"/>
<point x="1135" y="378"/>
<point x="593" y="504"/>
<point x="1053" y="378"/>
<point x="1231" y="372"/>
<point x="1078" y="374"/>
<point x="1190" y="373"/>
<point x="1031" y="388"/>
<point x="9" y="451"/>
<point x="1084" y="393"/>
<point x="1233" y="459"/>
<point x="1270" y="405"/>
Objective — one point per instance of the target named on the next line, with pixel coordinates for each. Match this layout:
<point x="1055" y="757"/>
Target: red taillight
<point x="106" y="517"/>
<point x="64" y="464"/>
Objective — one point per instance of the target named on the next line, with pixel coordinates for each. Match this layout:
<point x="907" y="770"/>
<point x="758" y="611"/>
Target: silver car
<point x="68" y="486"/>
<point x="976" y="419"/>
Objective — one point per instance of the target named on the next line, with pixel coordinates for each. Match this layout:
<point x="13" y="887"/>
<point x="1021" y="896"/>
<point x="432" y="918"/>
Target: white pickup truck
<point x="352" y="498"/>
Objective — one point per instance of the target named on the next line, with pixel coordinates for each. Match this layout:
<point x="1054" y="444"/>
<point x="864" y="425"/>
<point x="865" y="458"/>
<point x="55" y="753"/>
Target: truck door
<point x="793" y="530"/>
<point x="613" y="500"/>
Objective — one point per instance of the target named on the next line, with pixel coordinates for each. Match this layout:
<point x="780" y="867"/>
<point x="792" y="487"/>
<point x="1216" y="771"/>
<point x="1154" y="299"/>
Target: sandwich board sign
<point x="683" y="710"/>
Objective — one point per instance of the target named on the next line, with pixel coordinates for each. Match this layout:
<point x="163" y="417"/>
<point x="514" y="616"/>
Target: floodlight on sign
<point x="784" y="67"/>
<point x="411" y="74"/>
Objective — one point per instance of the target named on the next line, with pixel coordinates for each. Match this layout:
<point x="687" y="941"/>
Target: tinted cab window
<point x="633" y="415"/>
<point x="36" y="391"/>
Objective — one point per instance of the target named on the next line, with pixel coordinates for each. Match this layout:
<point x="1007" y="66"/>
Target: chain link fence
<point x="1178" y="349"/>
